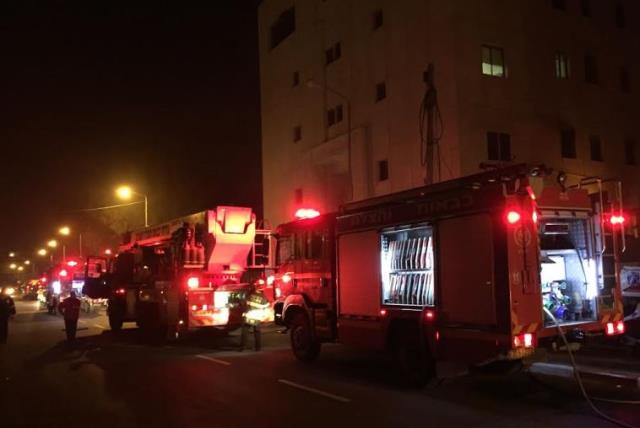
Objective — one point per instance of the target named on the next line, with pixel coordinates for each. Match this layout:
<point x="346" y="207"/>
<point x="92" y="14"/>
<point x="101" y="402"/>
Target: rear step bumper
<point x="597" y="380"/>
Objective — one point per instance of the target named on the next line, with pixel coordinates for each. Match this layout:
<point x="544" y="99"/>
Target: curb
<point x="593" y="376"/>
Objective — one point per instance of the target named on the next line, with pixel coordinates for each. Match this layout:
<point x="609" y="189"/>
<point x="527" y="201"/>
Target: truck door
<point x="466" y="263"/>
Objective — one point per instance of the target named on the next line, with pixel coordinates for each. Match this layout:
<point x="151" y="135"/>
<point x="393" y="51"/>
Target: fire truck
<point x="463" y="270"/>
<point x="183" y="274"/>
<point x="60" y="280"/>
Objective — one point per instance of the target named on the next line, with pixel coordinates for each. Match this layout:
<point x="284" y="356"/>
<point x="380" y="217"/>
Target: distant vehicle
<point x="182" y="274"/>
<point x="459" y="270"/>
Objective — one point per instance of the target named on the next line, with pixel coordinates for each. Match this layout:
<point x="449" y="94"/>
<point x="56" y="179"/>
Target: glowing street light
<point x="20" y="268"/>
<point x="12" y="254"/>
<point x="42" y="252"/>
<point x="64" y="230"/>
<point x="13" y="266"/>
<point x="126" y="193"/>
<point x="52" y="243"/>
<point x="27" y="262"/>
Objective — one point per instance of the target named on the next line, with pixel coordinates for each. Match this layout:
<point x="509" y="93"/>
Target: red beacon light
<point x="617" y="220"/>
<point x="193" y="282"/>
<point x="72" y="263"/>
<point x="63" y="273"/>
<point x="512" y="217"/>
<point x="306" y="213"/>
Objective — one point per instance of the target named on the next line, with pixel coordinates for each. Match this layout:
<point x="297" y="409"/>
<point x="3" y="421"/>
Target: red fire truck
<point x="459" y="270"/>
<point x="183" y="274"/>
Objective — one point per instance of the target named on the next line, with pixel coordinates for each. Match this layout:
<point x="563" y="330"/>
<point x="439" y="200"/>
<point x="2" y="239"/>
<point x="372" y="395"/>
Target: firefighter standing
<point x="7" y="309"/>
<point x="256" y="306"/>
<point x="70" y="309"/>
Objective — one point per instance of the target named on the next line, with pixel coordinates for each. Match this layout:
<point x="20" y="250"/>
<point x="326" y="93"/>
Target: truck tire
<point x="115" y="322"/>
<point x="415" y="366"/>
<point x="304" y="345"/>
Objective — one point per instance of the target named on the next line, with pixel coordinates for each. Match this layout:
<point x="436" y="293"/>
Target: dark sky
<point x="95" y="93"/>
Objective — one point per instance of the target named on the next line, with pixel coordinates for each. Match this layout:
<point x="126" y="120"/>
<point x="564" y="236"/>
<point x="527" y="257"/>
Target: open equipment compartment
<point x="406" y="264"/>
<point x="569" y="269"/>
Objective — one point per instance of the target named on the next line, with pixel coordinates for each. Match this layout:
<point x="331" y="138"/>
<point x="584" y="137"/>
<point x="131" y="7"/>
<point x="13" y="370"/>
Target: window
<point x="381" y="91"/>
<point x="284" y="26"/>
<point x="559" y="4"/>
<point x="625" y="84"/>
<point x="568" y="143"/>
<point x="620" y="18"/>
<point x="296" y="79"/>
<point x="297" y="133"/>
<point x="334" y="115"/>
<point x="333" y="53"/>
<point x="590" y="69"/>
<point x="585" y="7"/>
<point x="493" y="61"/>
<point x="383" y="170"/>
<point x="298" y="196"/>
<point x="630" y="152"/>
<point x="596" y="148"/>
<point x="562" y="66"/>
<point x="378" y="19"/>
<point x="499" y="146"/>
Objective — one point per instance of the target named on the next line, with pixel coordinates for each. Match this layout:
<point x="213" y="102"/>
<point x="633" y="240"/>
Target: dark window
<point x="381" y="91"/>
<point x="620" y="18"/>
<point x="333" y="53"/>
<point x="378" y="19"/>
<point x="590" y="69"/>
<point x="297" y="133"/>
<point x="562" y="66"/>
<point x="596" y="148"/>
<point x="283" y="27"/>
<point x="559" y="4"/>
<point x="625" y="84"/>
<point x="499" y="146"/>
<point x="585" y="6"/>
<point x="298" y="196"/>
<point x="493" y="61"/>
<point x="568" y="143"/>
<point x="383" y="170"/>
<point x="630" y="152"/>
<point x="296" y="79"/>
<point x="315" y="245"/>
<point x="331" y="117"/>
<point x="339" y="113"/>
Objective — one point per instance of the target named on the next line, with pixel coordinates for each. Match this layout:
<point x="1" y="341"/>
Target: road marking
<point x="100" y="326"/>
<point x="215" y="360"/>
<point x="315" y="391"/>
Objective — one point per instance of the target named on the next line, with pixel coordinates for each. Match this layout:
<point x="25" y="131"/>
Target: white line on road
<point x="315" y="391"/>
<point x="215" y="360"/>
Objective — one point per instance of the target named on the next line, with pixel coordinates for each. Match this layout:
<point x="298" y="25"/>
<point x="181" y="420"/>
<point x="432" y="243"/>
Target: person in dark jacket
<point x="7" y="310"/>
<point x="70" y="309"/>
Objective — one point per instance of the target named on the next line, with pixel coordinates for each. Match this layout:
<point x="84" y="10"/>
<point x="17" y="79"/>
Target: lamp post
<point x="126" y="192"/>
<point x="66" y="231"/>
<point x="315" y="85"/>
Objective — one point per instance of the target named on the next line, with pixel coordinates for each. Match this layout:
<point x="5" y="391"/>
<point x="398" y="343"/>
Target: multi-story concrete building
<point x="540" y="81"/>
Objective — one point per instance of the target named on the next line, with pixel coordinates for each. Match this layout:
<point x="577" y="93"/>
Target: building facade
<point x="343" y="94"/>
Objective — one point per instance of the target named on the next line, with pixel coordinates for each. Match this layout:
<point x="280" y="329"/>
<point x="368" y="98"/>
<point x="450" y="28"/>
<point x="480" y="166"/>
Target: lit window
<point x="630" y="152"/>
<point x="378" y="19"/>
<point x="568" y="143"/>
<point x="499" y="146"/>
<point x="297" y="133"/>
<point x="381" y="91"/>
<point x="383" y="170"/>
<point x="562" y="66"/>
<point x="590" y="69"/>
<point x="493" y="61"/>
<point x="596" y="148"/>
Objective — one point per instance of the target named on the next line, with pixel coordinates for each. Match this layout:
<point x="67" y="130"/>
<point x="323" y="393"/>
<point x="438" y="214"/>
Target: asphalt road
<point x="124" y="380"/>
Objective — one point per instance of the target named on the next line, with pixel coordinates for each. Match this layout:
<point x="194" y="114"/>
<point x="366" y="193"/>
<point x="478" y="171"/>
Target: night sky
<point x="98" y="93"/>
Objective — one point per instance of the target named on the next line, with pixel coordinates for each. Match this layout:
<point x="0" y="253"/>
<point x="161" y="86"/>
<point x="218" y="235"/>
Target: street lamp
<point x="12" y="254"/>
<point x="27" y="262"/>
<point x="126" y="192"/>
<point x="13" y="266"/>
<point x="42" y="252"/>
<point x="52" y="243"/>
<point x="64" y="230"/>
<point x="20" y="268"/>
<point x="315" y="85"/>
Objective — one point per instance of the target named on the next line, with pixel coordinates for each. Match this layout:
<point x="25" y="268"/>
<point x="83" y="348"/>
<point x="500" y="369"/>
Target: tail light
<point x="120" y="291"/>
<point x="617" y="220"/>
<point x="614" y="328"/>
<point x="524" y="340"/>
<point x="63" y="273"/>
<point x="193" y="282"/>
<point x="429" y="315"/>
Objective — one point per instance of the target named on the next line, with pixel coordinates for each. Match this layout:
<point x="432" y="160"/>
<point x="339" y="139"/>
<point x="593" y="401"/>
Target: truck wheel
<point x="415" y="366"/>
<point x="304" y="346"/>
<point x="115" y="323"/>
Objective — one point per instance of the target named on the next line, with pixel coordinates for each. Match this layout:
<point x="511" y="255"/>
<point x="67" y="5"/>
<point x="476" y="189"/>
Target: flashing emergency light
<point x="614" y="328"/>
<point x="524" y="340"/>
<point x="616" y="220"/>
<point x="120" y="291"/>
<point x="72" y="263"/>
<point x="534" y="217"/>
<point x="429" y="315"/>
<point x="107" y="251"/>
<point x="43" y="279"/>
<point x="63" y="273"/>
<point x="193" y="282"/>
<point x="383" y="312"/>
<point x="286" y="278"/>
<point x="513" y="217"/>
<point x="306" y="213"/>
